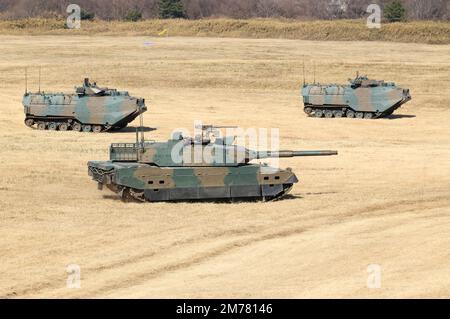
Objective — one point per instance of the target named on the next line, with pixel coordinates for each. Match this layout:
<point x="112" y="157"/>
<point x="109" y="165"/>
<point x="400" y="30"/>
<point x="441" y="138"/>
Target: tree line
<point x="240" y="9"/>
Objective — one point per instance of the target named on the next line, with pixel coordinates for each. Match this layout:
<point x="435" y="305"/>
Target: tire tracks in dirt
<point x="391" y="208"/>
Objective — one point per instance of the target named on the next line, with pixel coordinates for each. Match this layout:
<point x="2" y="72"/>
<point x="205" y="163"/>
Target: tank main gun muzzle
<point x="261" y="155"/>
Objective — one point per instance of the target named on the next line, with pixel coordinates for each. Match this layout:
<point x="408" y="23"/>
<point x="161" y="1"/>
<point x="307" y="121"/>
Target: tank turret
<point x="199" y="151"/>
<point x="184" y="168"/>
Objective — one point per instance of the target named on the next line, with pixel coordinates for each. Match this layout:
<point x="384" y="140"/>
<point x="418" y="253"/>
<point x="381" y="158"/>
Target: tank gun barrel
<point x="261" y="155"/>
<point x="205" y="127"/>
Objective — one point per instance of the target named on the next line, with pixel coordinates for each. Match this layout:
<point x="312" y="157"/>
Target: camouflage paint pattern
<point x="364" y="97"/>
<point x="90" y="106"/>
<point x="147" y="172"/>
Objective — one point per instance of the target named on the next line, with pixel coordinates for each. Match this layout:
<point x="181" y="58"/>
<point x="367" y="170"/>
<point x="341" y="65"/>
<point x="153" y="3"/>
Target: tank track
<point x="333" y="112"/>
<point x="128" y="194"/>
<point x="64" y="124"/>
<point x="338" y="112"/>
<point x="286" y="190"/>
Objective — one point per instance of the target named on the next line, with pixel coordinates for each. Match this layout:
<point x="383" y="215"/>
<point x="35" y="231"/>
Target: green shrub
<point x="86" y="15"/>
<point x="395" y="11"/>
<point x="171" y="9"/>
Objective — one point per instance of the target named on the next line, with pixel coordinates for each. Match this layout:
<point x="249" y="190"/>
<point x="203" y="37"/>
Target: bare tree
<point x="356" y="8"/>
<point x="267" y="8"/>
<point x="197" y="9"/>
<point x="427" y="9"/>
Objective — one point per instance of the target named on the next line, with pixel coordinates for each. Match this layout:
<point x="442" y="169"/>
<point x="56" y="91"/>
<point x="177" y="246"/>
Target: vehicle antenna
<point x="26" y="81"/>
<point x="39" y="79"/>
<point x="137" y="143"/>
<point x="304" y="81"/>
<point x="141" y="119"/>
<point x="314" y="72"/>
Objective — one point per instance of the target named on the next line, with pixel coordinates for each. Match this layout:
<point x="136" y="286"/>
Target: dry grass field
<point x="431" y="32"/>
<point x="384" y="200"/>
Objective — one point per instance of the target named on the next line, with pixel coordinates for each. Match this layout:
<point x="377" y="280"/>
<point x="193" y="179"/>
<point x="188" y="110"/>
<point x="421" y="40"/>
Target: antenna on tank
<point x="314" y="72"/>
<point x="140" y="144"/>
<point x="141" y="120"/>
<point x="39" y="79"/>
<point x="26" y="81"/>
<point x="304" y="81"/>
<point x="137" y="136"/>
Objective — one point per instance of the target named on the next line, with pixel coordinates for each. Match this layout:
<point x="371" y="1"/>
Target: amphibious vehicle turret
<point x="193" y="169"/>
<point x="89" y="109"/>
<point x="362" y="98"/>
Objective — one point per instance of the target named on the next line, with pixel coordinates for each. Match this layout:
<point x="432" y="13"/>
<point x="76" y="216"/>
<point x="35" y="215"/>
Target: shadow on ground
<point x="112" y="197"/>
<point x="319" y="193"/>
<point x="291" y="197"/>
<point x="132" y="129"/>
<point x="399" y="116"/>
<point x="225" y="201"/>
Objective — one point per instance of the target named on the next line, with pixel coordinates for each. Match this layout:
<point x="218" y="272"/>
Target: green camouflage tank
<point x="362" y="98"/>
<point x="193" y="169"/>
<point x="90" y="109"/>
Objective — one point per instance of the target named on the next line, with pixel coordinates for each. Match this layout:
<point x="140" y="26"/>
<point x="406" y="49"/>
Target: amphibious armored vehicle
<point x="89" y="109"/>
<point x="193" y="169"/>
<point x="362" y="98"/>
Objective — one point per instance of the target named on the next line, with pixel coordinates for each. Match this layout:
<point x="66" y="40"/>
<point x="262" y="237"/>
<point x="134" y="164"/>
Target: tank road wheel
<point x="86" y="128"/>
<point x="318" y="113"/>
<point x="129" y="195"/>
<point x="63" y="126"/>
<point x="137" y="195"/>
<point x="41" y="126"/>
<point x="328" y="114"/>
<point x="125" y="195"/>
<point x="76" y="127"/>
<point x="368" y="115"/>
<point x="52" y="126"/>
<point x="97" y="128"/>
<point x="350" y="114"/>
<point x="338" y="114"/>
<point x="308" y="110"/>
<point x="29" y="122"/>
<point x="359" y="115"/>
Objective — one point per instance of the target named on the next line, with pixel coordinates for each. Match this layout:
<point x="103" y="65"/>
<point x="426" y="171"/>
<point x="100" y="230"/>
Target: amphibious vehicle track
<point x="65" y="124"/>
<point x="334" y="112"/>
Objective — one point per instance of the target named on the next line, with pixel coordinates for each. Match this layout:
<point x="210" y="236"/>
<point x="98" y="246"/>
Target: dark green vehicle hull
<point x="185" y="168"/>
<point x="142" y="182"/>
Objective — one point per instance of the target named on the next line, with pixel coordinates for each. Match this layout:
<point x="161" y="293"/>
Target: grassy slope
<point x="343" y="30"/>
